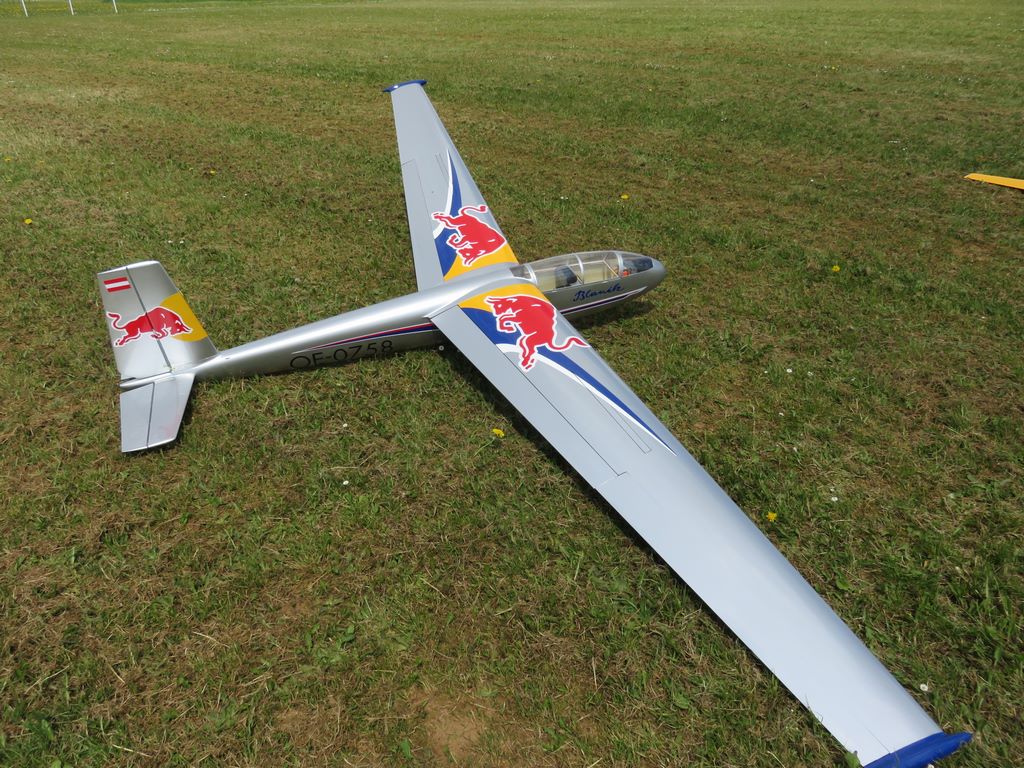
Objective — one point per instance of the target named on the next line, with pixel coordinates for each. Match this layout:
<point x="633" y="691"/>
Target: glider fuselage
<point x="577" y="284"/>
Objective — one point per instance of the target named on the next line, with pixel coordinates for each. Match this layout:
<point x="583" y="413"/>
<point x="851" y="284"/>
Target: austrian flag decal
<point x="115" y="284"/>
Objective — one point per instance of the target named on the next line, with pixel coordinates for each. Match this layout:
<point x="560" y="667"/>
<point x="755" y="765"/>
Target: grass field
<point x="344" y="567"/>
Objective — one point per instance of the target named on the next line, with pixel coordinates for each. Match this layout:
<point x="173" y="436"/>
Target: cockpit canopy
<point x="575" y="269"/>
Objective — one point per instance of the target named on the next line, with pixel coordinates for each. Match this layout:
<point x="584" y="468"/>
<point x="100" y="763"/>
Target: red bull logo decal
<point x="158" y="323"/>
<point x="535" y="321"/>
<point x="473" y="238"/>
<point x="466" y="236"/>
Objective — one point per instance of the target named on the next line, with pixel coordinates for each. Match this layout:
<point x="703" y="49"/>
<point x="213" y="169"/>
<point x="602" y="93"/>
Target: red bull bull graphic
<point x="466" y="236"/>
<point x="473" y="237"/>
<point x="534" y="319"/>
<point x="520" y="319"/>
<point x="158" y="323"/>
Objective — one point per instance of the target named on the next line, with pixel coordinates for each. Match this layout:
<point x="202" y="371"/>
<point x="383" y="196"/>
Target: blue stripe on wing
<point x="924" y="752"/>
<point x="445" y="253"/>
<point x="488" y="323"/>
<point x="561" y="359"/>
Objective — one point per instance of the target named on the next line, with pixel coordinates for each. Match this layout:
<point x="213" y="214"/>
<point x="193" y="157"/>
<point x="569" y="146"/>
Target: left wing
<point x="452" y="228"/>
<point x="559" y="383"/>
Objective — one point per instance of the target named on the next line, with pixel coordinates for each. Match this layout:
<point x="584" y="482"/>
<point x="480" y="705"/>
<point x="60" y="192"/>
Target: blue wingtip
<point x="921" y="753"/>
<point x="396" y="86"/>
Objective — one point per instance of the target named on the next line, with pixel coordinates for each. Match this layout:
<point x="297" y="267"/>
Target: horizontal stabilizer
<point x="151" y="414"/>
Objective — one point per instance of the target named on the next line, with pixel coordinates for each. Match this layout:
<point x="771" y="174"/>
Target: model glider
<point x="511" y="321"/>
<point x="1002" y="181"/>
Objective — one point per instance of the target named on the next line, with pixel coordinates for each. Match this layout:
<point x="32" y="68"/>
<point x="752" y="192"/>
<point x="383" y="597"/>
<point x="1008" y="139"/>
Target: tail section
<point x="152" y="328"/>
<point x="155" y="337"/>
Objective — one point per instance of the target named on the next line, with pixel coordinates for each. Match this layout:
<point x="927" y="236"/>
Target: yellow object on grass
<point x="1002" y="181"/>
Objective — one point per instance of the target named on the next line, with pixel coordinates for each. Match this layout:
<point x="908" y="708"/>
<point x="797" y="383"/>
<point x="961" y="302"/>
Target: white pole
<point x="113" y="1"/>
<point x="23" y="7"/>
<point x="71" y="7"/>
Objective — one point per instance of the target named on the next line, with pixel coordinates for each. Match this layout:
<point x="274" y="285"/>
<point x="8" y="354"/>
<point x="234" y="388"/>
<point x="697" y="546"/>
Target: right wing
<point x="452" y="228"/>
<point x="517" y="339"/>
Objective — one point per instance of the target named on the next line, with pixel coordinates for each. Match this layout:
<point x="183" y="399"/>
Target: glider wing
<point x="452" y="228"/>
<point x="542" y="365"/>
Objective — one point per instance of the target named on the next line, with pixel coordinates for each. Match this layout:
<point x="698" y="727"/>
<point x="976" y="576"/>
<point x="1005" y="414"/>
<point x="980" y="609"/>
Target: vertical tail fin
<point x="155" y="337"/>
<point x="152" y="329"/>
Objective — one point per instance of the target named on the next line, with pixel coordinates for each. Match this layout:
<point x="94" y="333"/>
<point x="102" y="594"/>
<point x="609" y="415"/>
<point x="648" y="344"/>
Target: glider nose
<point x="657" y="273"/>
<point x="647" y="268"/>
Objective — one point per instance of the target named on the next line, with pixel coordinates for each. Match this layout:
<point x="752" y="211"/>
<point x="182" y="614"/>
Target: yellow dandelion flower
<point x="623" y="197"/>
<point x="772" y="517"/>
<point x="7" y="159"/>
<point x="835" y="267"/>
<point x="28" y="221"/>
<point x="498" y="433"/>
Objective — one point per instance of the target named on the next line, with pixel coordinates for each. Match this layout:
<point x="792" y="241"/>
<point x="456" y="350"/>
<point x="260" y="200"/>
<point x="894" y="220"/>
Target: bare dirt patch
<point x="452" y="729"/>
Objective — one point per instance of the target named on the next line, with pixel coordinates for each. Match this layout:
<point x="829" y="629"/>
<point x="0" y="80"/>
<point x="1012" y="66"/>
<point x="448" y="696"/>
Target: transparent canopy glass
<point x="574" y="269"/>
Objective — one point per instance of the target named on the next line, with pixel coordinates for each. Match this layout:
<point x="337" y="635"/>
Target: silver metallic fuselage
<point x="577" y="284"/>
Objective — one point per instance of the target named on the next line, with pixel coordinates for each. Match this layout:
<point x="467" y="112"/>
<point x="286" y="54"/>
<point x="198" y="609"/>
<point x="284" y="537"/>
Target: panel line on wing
<point x="428" y="270"/>
<point x="444" y="162"/>
<point x="626" y="424"/>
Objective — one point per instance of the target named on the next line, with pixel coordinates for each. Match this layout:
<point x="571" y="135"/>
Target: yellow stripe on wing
<point x="519" y="289"/>
<point x="503" y="255"/>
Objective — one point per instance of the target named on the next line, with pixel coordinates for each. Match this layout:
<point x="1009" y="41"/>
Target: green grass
<point x="342" y="567"/>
